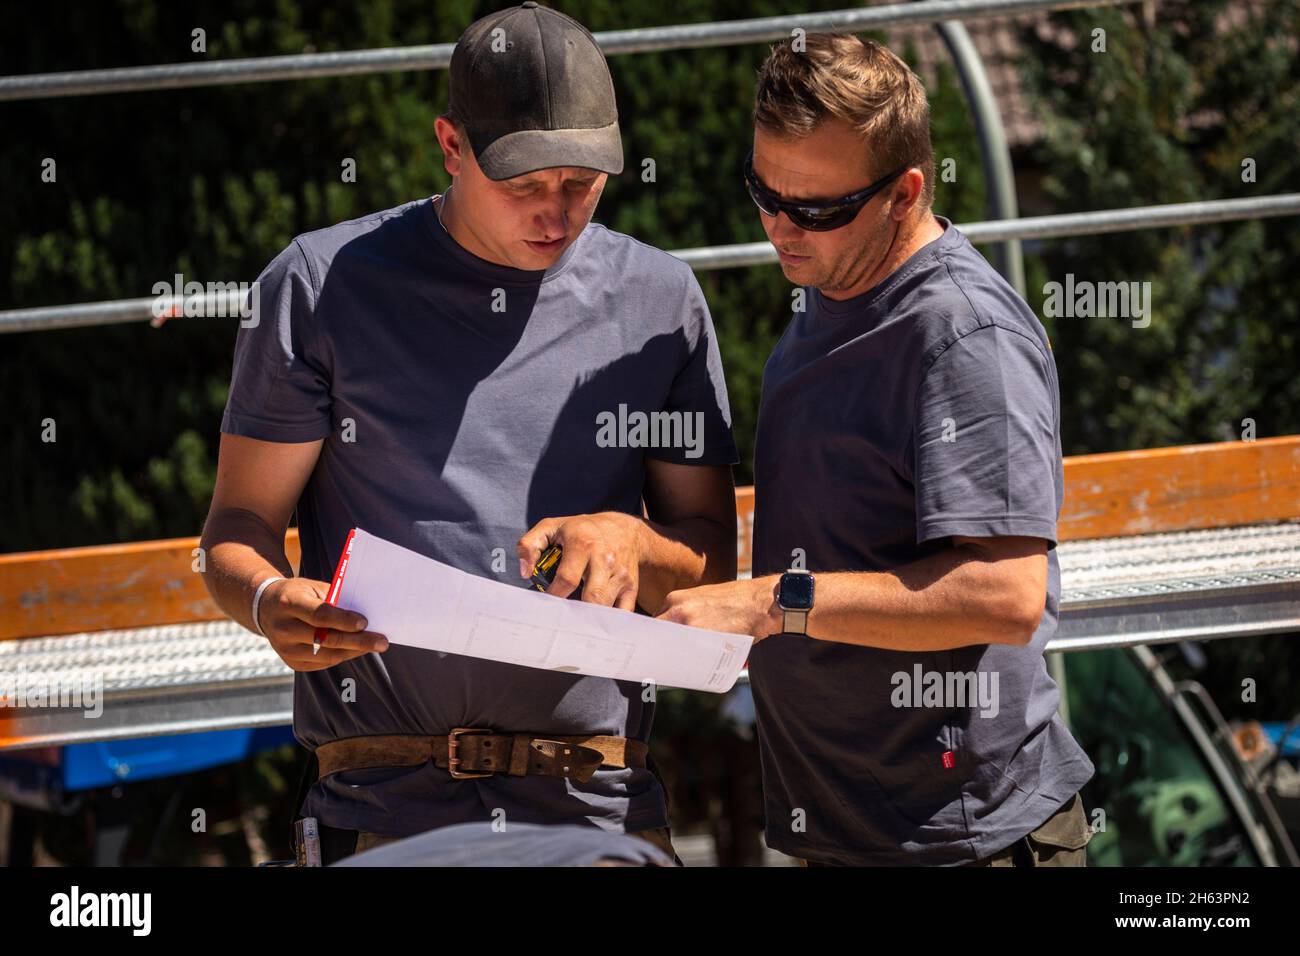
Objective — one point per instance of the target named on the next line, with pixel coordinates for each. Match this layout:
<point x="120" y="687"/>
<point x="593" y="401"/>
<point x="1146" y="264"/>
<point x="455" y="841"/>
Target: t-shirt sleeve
<point x="987" y="451"/>
<point x="279" y="385"/>
<point x="699" y="390"/>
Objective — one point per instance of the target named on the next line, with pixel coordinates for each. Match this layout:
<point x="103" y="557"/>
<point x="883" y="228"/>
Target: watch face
<point x="796" y="592"/>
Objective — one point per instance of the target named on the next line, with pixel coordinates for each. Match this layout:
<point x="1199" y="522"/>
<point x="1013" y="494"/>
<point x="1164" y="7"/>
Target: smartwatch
<point x="794" y="596"/>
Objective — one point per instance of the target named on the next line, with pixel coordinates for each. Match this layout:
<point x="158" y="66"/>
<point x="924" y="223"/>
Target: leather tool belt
<point x="471" y="752"/>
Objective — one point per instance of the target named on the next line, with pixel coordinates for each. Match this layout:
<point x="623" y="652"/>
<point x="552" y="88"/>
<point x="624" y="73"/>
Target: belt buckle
<point x="453" y="755"/>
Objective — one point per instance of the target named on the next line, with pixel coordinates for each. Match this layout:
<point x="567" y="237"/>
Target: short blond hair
<point x="858" y="81"/>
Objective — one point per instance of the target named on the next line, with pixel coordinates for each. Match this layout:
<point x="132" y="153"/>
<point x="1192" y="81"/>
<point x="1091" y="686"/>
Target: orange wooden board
<point x="106" y="587"/>
<point x="1181" y="488"/>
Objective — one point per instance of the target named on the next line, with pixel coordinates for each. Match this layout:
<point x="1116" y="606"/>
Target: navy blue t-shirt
<point x="924" y="408"/>
<point x="461" y="402"/>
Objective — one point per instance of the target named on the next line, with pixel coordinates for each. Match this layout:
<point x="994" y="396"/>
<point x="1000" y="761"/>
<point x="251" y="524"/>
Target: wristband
<point x="257" y="600"/>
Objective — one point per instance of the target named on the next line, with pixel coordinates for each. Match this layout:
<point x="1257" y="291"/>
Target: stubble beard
<point x="848" y="268"/>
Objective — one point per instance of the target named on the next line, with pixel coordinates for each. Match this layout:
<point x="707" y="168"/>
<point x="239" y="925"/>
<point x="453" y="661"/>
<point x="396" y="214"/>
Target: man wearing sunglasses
<point x="908" y="480"/>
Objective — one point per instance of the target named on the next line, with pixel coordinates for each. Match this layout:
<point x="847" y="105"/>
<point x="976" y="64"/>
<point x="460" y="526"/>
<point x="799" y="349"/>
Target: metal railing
<point x="994" y="154"/>
<point x="437" y="56"/>
<point x="685" y="36"/>
<point x="1040" y="227"/>
<point x="703" y="258"/>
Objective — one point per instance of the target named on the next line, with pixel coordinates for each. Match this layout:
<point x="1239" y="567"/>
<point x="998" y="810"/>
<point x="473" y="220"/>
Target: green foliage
<point x="1168" y="113"/>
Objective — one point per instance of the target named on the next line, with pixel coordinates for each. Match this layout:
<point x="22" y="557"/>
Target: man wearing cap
<point x="438" y="374"/>
<point x="907" y="480"/>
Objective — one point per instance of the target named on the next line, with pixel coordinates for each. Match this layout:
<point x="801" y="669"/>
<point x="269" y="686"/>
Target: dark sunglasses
<point x="818" y="217"/>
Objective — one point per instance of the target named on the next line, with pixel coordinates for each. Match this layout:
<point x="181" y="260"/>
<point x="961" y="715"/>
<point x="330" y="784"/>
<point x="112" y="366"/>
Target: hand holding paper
<point x="417" y="601"/>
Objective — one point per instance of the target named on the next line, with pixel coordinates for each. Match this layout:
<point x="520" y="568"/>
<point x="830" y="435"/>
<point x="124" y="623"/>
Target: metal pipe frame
<point x="999" y="178"/>
<point x="437" y="56"/>
<point x="706" y="258"/>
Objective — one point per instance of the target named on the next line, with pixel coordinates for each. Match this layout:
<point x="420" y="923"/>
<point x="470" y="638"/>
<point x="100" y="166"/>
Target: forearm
<point x="951" y="599"/>
<point x="241" y="551"/>
<point x="684" y="554"/>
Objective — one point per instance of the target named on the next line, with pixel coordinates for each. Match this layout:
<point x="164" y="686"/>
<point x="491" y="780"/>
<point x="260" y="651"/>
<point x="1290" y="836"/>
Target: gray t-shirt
<point x="459" y="403"/>
<point x="926" y="407"/>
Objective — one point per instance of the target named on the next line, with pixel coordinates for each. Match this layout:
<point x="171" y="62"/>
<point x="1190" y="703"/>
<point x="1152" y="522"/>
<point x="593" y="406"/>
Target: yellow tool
<point x="544" y="570"/>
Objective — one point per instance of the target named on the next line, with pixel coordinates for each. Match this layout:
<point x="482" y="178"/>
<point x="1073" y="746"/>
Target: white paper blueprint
<point x="414" y="600"/>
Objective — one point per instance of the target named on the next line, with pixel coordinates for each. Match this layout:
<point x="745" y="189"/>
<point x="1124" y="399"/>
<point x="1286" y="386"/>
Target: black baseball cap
<point x="534" y="92"/>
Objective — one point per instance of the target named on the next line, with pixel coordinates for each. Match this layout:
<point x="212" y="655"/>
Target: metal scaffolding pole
<point x="437" y="56"/>
<point x="703" y="258"/>
<point x="226" y="304"/>
<point x="999" y="178"/>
